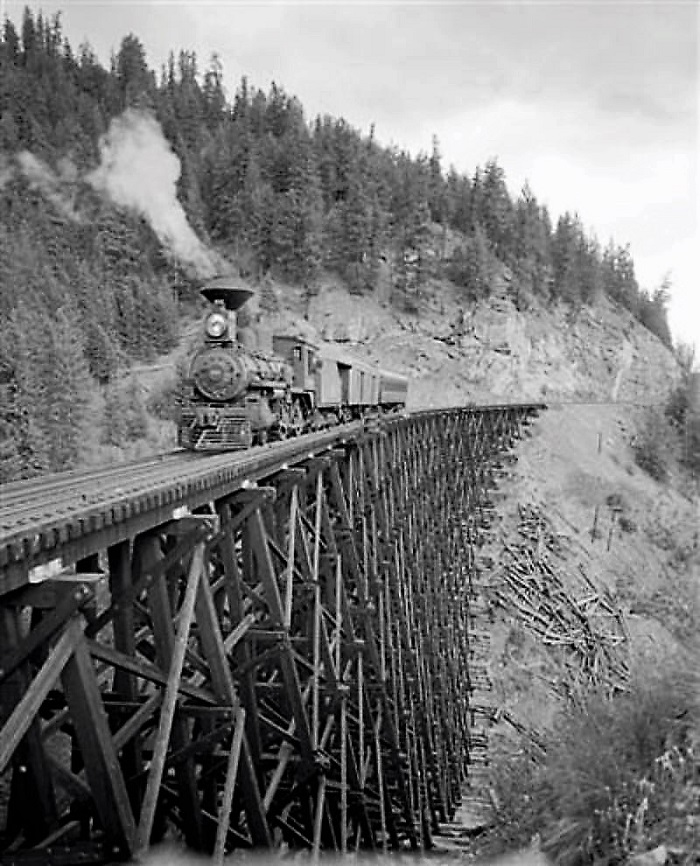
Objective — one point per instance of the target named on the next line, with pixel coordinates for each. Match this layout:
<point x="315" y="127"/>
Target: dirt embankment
<point x="616" y="541"/>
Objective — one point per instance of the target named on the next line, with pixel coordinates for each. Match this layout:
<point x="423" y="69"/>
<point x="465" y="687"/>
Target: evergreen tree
<point x="495" y="211"/>
<point x="473" y="266"/>
<point x="532" y="246"/>
<point x="213" y="95"/>
<point x="136" y="81"/>
<point x="350" y="223"/>
<point x="28" y="389"/>
<point x="652" y="311"/>
<point x="619" y="281"/>
<point x="565" y="259"/>
<point x="459" y="202"/>
<point x="67" y="390"/>
<point x="437" y="199"/>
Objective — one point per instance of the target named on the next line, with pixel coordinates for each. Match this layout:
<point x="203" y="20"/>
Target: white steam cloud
<point x="58" y="189"/>
<point x="139" y="170"/>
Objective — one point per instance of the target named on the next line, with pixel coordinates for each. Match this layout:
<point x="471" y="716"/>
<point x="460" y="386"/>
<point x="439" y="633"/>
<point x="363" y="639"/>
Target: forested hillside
<point x="91" y="278"/>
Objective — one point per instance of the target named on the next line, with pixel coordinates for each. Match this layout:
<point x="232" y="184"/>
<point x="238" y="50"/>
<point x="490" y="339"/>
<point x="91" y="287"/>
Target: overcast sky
<point x="596" y="104"/>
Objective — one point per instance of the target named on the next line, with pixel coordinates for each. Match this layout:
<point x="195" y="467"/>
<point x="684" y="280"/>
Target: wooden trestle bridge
<point x="259" y="649"/>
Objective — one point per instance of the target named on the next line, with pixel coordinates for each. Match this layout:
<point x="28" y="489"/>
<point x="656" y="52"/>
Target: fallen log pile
<point x="563" y="606"/>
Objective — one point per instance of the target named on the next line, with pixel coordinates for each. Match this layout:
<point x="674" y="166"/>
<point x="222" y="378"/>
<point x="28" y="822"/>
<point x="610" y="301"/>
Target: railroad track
<point x="40" y="517"/>
<point x="74" y="514"/>
<point x="25" y="501"/>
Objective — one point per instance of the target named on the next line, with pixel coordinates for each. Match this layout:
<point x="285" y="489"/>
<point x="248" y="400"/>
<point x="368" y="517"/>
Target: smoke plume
<point x="58" y="189"/>
<point x="139" y="170"/>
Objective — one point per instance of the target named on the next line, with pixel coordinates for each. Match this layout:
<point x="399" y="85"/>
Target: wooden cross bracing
<point x="286" y="666"/>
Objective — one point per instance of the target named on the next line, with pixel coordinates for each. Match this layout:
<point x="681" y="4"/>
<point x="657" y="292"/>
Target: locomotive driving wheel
<point x="284" y="421"/>
<point x="296" y="419"/>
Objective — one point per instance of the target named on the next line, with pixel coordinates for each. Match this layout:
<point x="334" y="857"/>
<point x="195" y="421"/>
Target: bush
<point x="165" y="399"/>
<point x="655" y="445"/>
<point x="619" y="774"/>
<point x="124" y="414"/>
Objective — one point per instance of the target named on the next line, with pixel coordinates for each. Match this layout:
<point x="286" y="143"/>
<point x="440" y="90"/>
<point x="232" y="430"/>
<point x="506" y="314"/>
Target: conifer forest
<point x="88" y="287"/>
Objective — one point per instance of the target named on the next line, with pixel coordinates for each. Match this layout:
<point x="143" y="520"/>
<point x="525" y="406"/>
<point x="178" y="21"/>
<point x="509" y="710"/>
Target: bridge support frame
<point x="288" y="665"/>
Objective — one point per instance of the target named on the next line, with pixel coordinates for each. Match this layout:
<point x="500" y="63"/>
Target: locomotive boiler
<point x="236" y="395"/>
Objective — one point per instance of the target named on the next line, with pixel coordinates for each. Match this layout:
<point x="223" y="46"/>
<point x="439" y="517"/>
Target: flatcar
<point x="236" y="395"/>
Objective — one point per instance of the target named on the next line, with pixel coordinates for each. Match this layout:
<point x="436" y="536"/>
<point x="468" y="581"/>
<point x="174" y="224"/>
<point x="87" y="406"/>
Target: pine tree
<point x="437" y="198"/>
<point x="459" y="202"/>
<point x="213" y="94"/>
<point x="532" y="242"/>
<point x="652" y="311"/>
<point x="67" y="391"/>
<point x="496" y="213"/>
<point x="619" y="281"/>
<point x="28" y="391"/>
<point x="136" y="81"/>
<point x="590" y="274"/>
<point x="473" y="266"/>
<point x="565" y="259"/>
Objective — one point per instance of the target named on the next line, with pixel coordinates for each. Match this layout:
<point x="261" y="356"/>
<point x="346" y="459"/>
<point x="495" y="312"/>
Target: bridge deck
<point x="256" y="649"/>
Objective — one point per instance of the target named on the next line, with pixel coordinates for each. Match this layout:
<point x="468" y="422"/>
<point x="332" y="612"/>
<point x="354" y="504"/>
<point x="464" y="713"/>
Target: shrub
<point x="124" y="414"/>
<point x="619" y="774"/>
<point x="654" y="445"/>
<point x="165" y="400"/>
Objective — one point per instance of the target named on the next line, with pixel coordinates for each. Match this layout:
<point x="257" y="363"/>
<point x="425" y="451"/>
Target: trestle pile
<point x="284" y="665"/>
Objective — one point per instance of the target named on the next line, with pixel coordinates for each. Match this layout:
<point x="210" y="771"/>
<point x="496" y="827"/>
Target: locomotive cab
<point x="302" y="358"/>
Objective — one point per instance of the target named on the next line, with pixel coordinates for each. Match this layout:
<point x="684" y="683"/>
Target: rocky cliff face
<point x="492" y="352"/>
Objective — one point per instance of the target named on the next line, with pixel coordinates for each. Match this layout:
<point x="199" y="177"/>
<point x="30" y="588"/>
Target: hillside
<point x="453" y="353"/>
<point x="491" y="351"/>
<point x="591" y="576"/>
<point x="120" y="190"/>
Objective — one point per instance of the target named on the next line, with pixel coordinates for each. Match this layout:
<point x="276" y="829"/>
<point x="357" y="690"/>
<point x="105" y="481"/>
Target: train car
<point x="235" y="395"/>
<point x="393" y="390"/>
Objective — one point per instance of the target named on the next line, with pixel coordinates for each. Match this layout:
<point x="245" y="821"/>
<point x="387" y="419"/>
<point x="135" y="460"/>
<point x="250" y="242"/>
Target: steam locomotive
<point x="236" y="395"/>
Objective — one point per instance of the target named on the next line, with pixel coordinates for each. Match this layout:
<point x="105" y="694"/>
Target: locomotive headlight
<point x="216" y="325"/>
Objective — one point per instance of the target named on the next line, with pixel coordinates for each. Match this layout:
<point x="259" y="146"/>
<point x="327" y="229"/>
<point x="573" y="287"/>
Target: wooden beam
<point x="99" y="755"/>
<point x="167" y="715"/>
